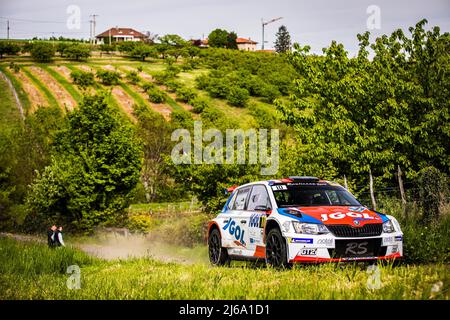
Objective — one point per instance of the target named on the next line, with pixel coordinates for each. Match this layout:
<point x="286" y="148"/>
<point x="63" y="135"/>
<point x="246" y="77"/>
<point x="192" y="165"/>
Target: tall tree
<point x="283" y="41"/>
<point x="95" y="167"/>
<point x="218" y="38"/>
<point x="231" y="40"/>
<point x="355" y="114"/>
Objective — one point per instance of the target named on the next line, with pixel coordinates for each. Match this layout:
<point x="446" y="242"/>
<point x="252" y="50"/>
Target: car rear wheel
<point x="276" y="251"/>
<point x="217" y="254"/>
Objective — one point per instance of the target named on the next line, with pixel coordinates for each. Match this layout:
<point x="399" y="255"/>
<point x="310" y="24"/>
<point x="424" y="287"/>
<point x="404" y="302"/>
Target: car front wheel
<point x="276" y="251"/>
<point x="217" y="254"/>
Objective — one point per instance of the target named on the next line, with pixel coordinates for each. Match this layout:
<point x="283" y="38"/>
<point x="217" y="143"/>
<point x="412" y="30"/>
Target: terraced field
<point x="40" y="85"/>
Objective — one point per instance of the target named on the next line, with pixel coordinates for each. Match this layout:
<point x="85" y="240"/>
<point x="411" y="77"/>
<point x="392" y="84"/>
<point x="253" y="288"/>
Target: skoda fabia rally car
<point x="300" y="219"/>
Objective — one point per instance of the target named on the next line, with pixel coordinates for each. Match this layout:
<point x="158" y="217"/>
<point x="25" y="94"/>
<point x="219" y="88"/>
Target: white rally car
<point x="300" y="219"/>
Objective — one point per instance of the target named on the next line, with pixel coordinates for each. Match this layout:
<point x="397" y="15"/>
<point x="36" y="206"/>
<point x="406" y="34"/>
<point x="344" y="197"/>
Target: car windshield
<point x="301" y="195"/>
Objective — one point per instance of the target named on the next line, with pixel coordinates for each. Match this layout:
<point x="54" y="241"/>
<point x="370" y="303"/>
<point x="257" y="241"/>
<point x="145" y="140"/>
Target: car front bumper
<point x="329" y="248"/>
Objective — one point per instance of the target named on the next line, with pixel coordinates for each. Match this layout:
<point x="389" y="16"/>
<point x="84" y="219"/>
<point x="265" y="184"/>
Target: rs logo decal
<point x="356" y="248"/>
<point x="235" y="231"/>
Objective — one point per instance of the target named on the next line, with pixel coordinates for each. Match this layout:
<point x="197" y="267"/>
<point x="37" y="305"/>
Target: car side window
<point x="241" y="197"/>
<point x="258" y="197"/>
<point x="231" y="203"/>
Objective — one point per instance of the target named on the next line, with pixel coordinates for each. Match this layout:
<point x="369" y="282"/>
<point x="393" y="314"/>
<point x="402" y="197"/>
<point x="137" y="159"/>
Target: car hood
<point x="330" y="215"/>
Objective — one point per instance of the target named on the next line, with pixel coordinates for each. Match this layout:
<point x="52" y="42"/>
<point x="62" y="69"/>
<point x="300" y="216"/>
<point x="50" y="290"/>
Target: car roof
<point x="282" y="181"/>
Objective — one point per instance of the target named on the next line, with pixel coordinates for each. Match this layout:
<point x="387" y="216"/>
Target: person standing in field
<point x="59" y="241"/>
<point x="51" y="236"/>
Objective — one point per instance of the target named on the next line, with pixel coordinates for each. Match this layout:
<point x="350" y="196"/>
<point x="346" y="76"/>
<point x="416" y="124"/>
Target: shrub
<point x="133" y="77"/>
<point x="238" y="96"/>
<point x="8" y="48"/>
<point x="202" y="82"/>
<point x="107" y="48"/>
<point x="218" y="88"/>
<point x="108" y="77"/>
<point x="163" y="77"/>
<point x="42" y="52"/>
<point x="155" y="95"/>
<point x="141" y="52"/>
<point x="82" y="78"/>
<point x="199" y="104"/>
<point x="172" y="85"/>
<point x="185" y="94"/>
<point x="60" y="47"/>
<point x="148" y="85"/>
<point x="433" y="192"/>
<point x="14" y="67"/>
<point x="77" y="52"/>
<point x="140" y="68"/>
<point x="141" y="223"/>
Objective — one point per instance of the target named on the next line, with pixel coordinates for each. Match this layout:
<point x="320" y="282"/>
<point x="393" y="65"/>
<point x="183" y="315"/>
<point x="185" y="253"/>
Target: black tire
<point x="218" y="255"/>
<point x="276" y="251"/>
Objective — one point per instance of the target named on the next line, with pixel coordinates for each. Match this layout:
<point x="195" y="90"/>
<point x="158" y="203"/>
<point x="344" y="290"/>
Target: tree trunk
<point x="372" y="195"/>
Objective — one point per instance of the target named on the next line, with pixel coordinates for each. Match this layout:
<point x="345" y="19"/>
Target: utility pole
<point x="90" y="31"/>
<point x="7" y="29"/>
<point x="264" y="24"/>
<point x="93" y="26"/>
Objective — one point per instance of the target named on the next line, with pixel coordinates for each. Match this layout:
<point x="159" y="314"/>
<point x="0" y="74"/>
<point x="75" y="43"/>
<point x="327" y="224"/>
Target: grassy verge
<point x="50" y="97"/>
<point x="26" y="270"/>
<point x="63" y="82"/>
<point x="8" y="109"/>
<point x="26" y="104"/>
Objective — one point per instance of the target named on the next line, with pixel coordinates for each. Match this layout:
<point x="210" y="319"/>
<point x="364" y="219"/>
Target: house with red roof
<point x="120" y="34"/>
<point x="246" y="44"/>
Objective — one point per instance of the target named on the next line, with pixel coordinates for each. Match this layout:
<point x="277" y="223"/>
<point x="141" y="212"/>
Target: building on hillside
<point x="120" y="34"/>
<point x="201" y="43"/>
<point x="246" y="44"/>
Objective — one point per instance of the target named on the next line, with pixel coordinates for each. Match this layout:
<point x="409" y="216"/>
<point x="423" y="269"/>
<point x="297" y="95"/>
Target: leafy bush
<point x="141" y="223"/>
<point x="142" y="51"/>
<point x="185" y="94"/>
<point x="107" y="48"/>
<point x="199" y="104"/>
<point x="77" y="52"/>
<point x="148" y="85"/>
<point x="163" y="77"/>
<point x="14" y="67"/>
<point x="433" y="192"/>
<point x="218" y="88"/>
<point x="42" y="52"/>
<point x="133" y="77"/>
<point x="202" y="81"/>
<point x="238" y="96"/>
<point x="140" y="68"/>
<point x="82" y="78"/>
<point x="156" y="95"/>
<point x="172" y="85"/>
<point x="8" y="48"/>
<point x="107" y="77"/>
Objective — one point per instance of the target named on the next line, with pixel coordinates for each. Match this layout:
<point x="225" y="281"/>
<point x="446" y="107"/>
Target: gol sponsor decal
<point x="340" y="215"/>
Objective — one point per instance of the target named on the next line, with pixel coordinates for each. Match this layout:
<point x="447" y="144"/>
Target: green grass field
<point x="32" y="271"/>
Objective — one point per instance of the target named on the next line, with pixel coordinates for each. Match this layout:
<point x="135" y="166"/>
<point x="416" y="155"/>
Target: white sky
<point x="312" y="22"/>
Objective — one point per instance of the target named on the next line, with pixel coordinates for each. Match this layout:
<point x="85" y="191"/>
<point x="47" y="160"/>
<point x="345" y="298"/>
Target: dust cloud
<point x="112" y="245"/>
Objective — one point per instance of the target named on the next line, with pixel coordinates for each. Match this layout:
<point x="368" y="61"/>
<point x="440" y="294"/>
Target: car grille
<point x="358" y="248"/>
<point x="368" y="230"/>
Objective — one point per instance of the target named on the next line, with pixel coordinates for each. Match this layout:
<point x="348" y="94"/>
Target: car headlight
<point x="388" y="227"/>
<point x="309" y="228"/>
